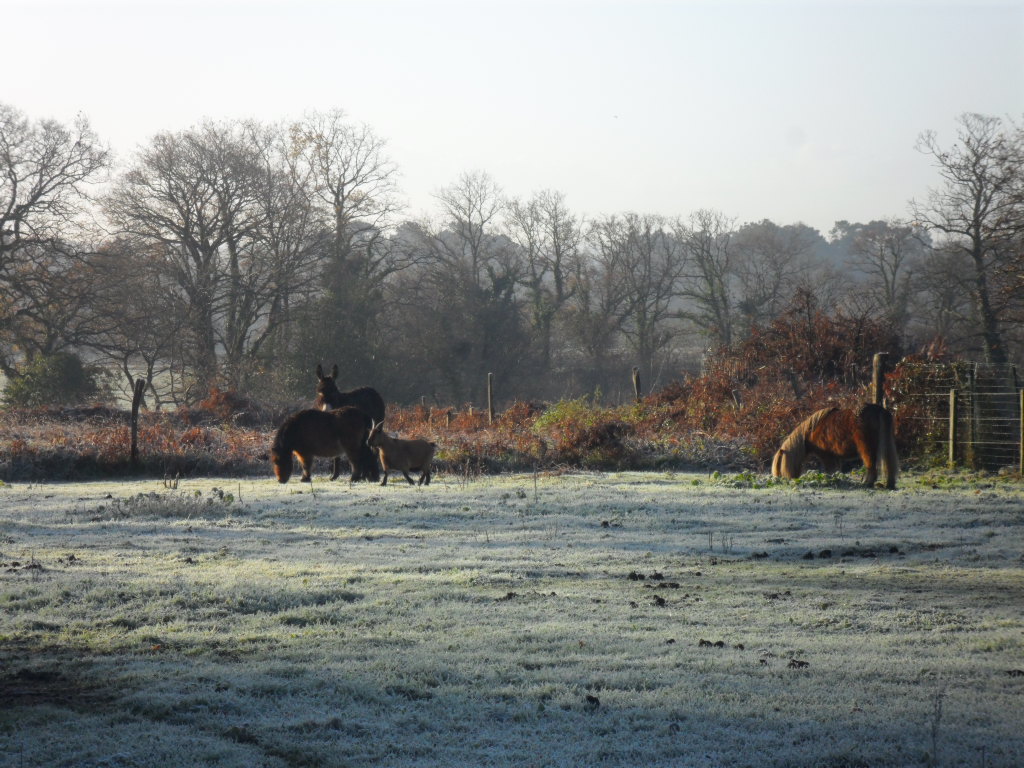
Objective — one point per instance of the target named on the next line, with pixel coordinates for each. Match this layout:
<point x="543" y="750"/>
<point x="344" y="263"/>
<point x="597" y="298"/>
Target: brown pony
<point x="403" y="455"/>
<point x="311" y="433"/>
<point x="835" y="434"/>
<point x="366" y="399"/>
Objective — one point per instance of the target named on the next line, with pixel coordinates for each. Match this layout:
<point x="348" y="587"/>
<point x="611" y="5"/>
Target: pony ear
<point x="334" y="371"/>
<point x="319" y="371"/>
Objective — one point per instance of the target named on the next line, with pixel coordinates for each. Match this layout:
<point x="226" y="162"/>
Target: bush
<point x="55" y="380"/>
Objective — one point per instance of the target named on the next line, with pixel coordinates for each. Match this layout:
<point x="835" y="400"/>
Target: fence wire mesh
<point x="985" y="401"/>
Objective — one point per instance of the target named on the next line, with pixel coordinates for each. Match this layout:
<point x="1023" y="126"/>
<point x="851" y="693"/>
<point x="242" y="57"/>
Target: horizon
<point x="787" y="111"/>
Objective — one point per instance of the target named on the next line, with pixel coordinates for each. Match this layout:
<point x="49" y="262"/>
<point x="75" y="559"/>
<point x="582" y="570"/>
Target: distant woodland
<point x="236" y="256"/>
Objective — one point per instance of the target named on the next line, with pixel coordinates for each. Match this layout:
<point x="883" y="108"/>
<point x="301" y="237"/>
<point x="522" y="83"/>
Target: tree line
<point x="237" y="255"/>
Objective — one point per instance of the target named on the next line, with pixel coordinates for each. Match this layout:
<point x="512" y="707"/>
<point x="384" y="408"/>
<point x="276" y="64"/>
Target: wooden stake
<point x="952" y="429"/>
<point x="877" y="377"/>
<point x="140" y="387"/>
<point x="490" y="398"/>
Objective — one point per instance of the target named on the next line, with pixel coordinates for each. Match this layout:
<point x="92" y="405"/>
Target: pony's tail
<point x="789" y="459"/>
<point x="281" y="453"/>
<point x="887" y="458"/>
<point x="777" y="460"/>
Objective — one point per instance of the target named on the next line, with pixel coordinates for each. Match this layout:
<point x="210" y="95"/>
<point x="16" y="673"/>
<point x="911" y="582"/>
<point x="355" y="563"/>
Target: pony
<point x="310" y="433"/>
<point x="835" y="434"/>
<point x="366" y="399"/>
<point x="403" y="455"/>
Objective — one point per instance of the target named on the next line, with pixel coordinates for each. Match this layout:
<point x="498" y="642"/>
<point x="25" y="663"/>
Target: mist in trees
<point x="240" y="254"/>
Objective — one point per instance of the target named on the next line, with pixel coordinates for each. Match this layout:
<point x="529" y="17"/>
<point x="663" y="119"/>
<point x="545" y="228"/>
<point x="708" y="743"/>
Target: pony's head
<point x="282" y="461"/>
<point x="373" y="439"/>
<point x="326" y="388"/>
<point x="789" y="460"/>
<point x="281" y="455"/>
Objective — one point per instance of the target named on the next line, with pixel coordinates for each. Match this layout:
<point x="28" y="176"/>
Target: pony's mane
<point x="789" y="459"/>
<point x="284" y="437"/>
<point x="797" y="440"/>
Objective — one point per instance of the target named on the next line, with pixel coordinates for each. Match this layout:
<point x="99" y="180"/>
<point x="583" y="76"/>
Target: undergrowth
<point x="729" y="419"/>
<point x="175" y="504"/>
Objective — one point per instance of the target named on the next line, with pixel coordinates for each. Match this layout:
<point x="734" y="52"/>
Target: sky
<point x="759" y="109"/>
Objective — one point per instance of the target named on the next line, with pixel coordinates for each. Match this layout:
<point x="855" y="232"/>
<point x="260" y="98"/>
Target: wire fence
<point x="964" y="414"/>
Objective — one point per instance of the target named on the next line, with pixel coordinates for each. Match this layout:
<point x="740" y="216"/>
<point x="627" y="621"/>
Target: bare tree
<point x="201" y="204"/>
<point x="139" y="326"/>
<point x="472" y="208"/>
<point x="770" y="263"/>
<point x="647" y="264"/>
<point x="352" y="185"/>
<point x="460" y="304"/>
<point x="706" y="290"/>
<point x="976" y="211"/>
<point x="942" y="314"/>
<point x="45" y="168"/>
<point x="549" y="237"/>
<point x="595" y="313"/>
<point x="351" y="178"/>
<point x="887" y="253"/>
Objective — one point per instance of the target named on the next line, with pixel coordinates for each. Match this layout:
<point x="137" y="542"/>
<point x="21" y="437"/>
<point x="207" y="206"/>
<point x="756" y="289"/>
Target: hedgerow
<point x="729" y="418"/>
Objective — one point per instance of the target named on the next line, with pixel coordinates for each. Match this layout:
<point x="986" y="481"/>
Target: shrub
<point x="55" y="380"/>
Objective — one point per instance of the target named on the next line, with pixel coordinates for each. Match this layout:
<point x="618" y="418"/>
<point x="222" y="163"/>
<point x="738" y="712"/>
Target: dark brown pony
<point x="366" y="399"/>
<point x="311" y="433"/>
<point x="835" y="434"/>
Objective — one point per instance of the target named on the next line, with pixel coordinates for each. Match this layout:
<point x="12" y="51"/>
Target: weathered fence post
<point x="952" y="428"/>
<point x="140" y="387"/>
<point x="1020" y="443"/>
<point x="636" y="383"/>
<point x="794" y="382"/>
<point x="877" y="377"/>
<point x="972" y="416"/>
<point x="490" y="398"/>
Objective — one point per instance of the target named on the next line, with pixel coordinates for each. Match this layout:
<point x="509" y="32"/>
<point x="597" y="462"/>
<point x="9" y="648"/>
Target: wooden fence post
<point x="1020" y="443"/>
<point x="952" y="429"/>
<point x="972" y="416"/>
<point x="877" y="377"/>
<point x="490" y="398"/>
<point x="140" y="387"/>
<point x="636" y="383"/>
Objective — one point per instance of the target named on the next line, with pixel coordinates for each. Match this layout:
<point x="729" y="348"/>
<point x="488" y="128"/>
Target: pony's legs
<point x="358" y="471"/>
<point x="369" y="469"/>
<point x="867" y="455"/>
<point x="870" y="475"/>
<point x="306" y="462"/>
<point x="890" y="460"/>
<point x="425" y="476"/>
<point x="408" y="479"/>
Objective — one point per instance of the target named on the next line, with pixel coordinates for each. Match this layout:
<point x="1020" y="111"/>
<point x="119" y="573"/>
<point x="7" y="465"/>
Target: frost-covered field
<point x="575" y="620"/>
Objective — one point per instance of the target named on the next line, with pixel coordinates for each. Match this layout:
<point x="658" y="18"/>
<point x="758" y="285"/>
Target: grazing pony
<point x="834" y="434"/>
<point x="311" y="433"/>
<point x="403" y="455"/>
<point x="366" y="399"/>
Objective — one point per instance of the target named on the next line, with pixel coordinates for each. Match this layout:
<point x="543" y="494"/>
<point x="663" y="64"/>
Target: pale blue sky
<point x="793" y="111"/>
